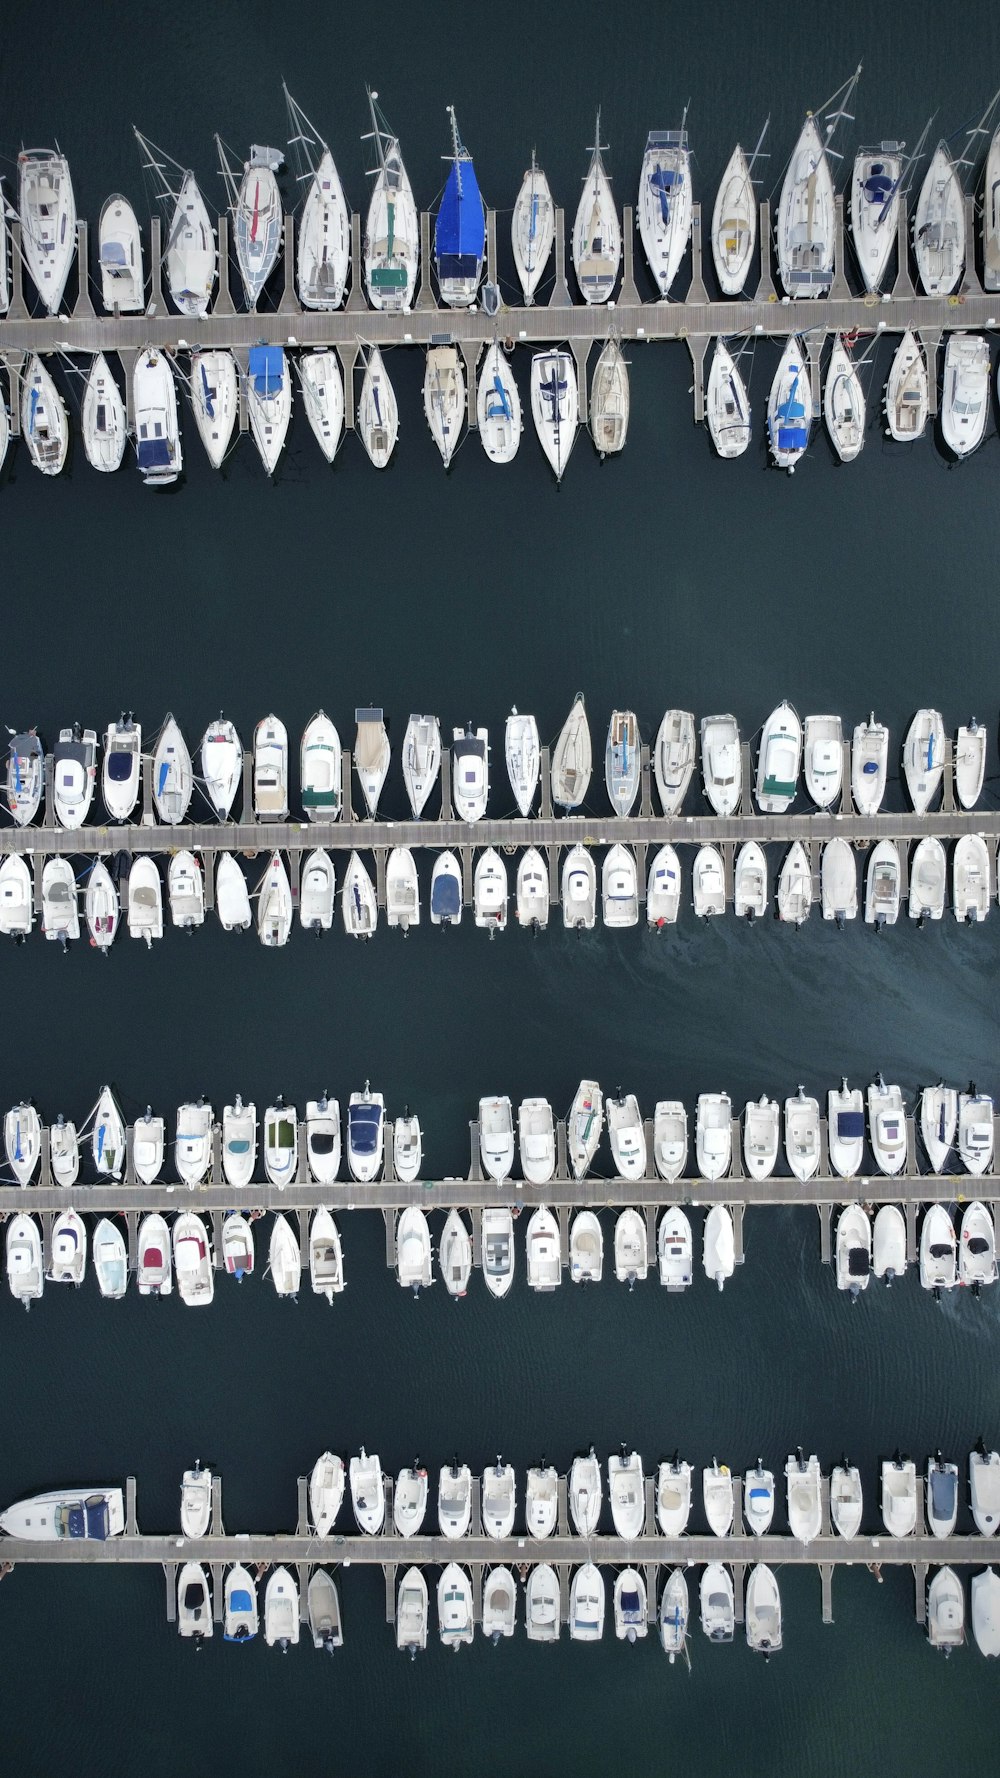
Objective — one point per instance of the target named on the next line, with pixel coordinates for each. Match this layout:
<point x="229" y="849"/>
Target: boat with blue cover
<point x="446" y="890"/>
<point x="665" y="203"/>
<point x="460" y="230"/>
<point x="269" y="400"/>
<point x="92" y="1513"/>
<point x="790" y="408"/>
<point x="392" y="229"/>
<point x="498" y="407"/>
<point x="241" y="1615"/>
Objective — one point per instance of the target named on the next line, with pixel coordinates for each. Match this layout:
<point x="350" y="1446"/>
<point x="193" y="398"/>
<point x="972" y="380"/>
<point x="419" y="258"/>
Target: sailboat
<point x="875" y="198"/>
<point x="554" y="406"/>
<point x="734" y="222"/>
<point x="44" y="423"/>
<point x="323" y="398"/>
<point x="269" y="401"/>
<point x="939" y="244"/>
<point x="790" y="408"/>
<point x="844" y="403"/>
<point x="498" y="407"/>
<point x="190" y="256"/>
<point x="214" y="399"/>
<point x="532" y="229"/>
<point x="323" y="250"/>
<point x="665" y="203"/>
<point x="597" y="237"/>
<point x="727" y="405"/>
<point x="157" y="434"/>
<point x="907" y="393"/>
<point x="609" y="400"/>
<point x="806" y="211"/>
<point x="572" y="761"/>
<point x="444" y="398"/>
<point x="392" y="230"/>
<point x="48" y="221"/>
<point x="105" y="429"/>
<point x="378" y="415"/>
<point x="255" y="205"/>
<point x="460" y="230"/>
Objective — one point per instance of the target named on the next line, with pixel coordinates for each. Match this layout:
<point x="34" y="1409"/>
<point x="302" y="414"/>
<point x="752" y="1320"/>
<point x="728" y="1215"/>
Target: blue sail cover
<point x="460" y="230"/>
<point x="792" y="435"/>
<point x="266" y="368"/>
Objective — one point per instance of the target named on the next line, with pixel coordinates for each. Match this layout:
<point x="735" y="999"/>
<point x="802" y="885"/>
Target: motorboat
<point x="238" y="1253"/>
<point x="619" y="888"/>
<point x="60" y="907"/>
<point x="719" y="1249"/>
<point x="806" y="223"/>
<point x="802" y="1134"/>
<point x="317" y="892"/>
<point x="269" y="401"/>
<point x="630" y="1605"/>
<point x="44" y="421"/>
<point x="844" y="403"/>
<point x="585" y="1493"/>
<point x="496" y="1137"/>
<point x="714" y="1134"/>
<point x="536" y="1138"/>
<point x="543" y="1251"/>
<point x="498" y="407"/>
<point x="367" y="1492"/>
<point x="790" y="408"/>
<point x="587" y="1604"/>
<point x="193" y="1142"/>
<point x="407" y="1147"/>
<point x="727" y="405"/>
<point x="846" y="1499"/>
<point x="985" y="1594"/>
<point x="883" y="880"/>
<point x="25" y="1277"/>
<point x="928" y="880"/>
<point x="970" y="870"/>
<point x="804" y="1485"/>
<point x="674" y="759"/>
<point x="22" y="1141"/>
<point x="455" y="1254"/>
<point x="489" y="887"/>
<point x="102" y="418"/>
<point x="499" y="1604"/>
<point x="194" y="1602"/>
<point x="631" y="1248"/>
<point x="455" y="1499"/>
<point x="108" y="1137"/>
<point x="977" y="1248"/>
<point x="498" y="1249"/>
<point x="326" y="1492"/>
<point x="47" y="211"/>
<point x="889" y="1244"/>
<point x="610" y="400"/>
<point x="322" y="385"/>
<point x="721" y="763"/>
<point x="664" y="204"/>
<point x="887" y="1126"/>
<point x="196" y="1501"/>
<point x="734" y="225"/>
<point x="869" y="765"/>
<point x="392" y="229"/>
<point x="907" y="393"/>
<point x="597" y="239"/>
<point x="970" y="763"/>
<point x="853" y="1250"/>
<point x="554" y="407"/>
<point x="444" y="398"/>
<point x="154" y="1274"/>
<point x="239" y="1142"/>
<point x="586" y="1248"/>
<point x="157" y="433"/>
<point x="214" y="401"/>
<point x="899" y="1496"/>
<point x="875" y="200"/>
<point x="541" y="1606"/>
<point x="572" y="759"/>
<point x="923" y="759"/>
<point x="101" y="906"/>
<point x="938" y="1123"/>
<point x="110" y="1260"/>
<point x="975" y="1131"/>
<point x="412" y="1613"/>
<point x="579" y="890"/>
<point x="173" y="776"/>
<point x="532" y="229"/>
<point x="942" y="1496"/>
<point x="413" y="1250"/>
<point x="499" y="1499"/>
<point x="532" y="898"/>
<point x="402" y="890"/>
<point x="965" y="392"/>
<point x="446" y="890"/>
<point x="74" y="775"/>
<point x="938" y="1250"/>
<point x="708" y="882"/>
<point x="846" y="1129"/>
<point x="675" y="1249"/>
<point x="409" y="1500"/>
<point x="823" y="757"/>
<point x="717" y="1497"/>
<point x="69" y="1249"/>
<point x="763" y="1611"/>
<point x="421" y="760"/>
<point x="673" y="1497"/>
<point x="358" y="900"/>
<point x="778" y="760"/>
<point x="939" y="226"/>
<point x="460" y="228"/>
<point x="365" y="1134"/>
<point x="541" y="1500"/>
<point x="232" y="898"/>
<point x="984" y="1489"/>
<point x="64" y="1152"/>
<point x="522" y="754"/>
<point x="663" y="889"/>
<point x="192" y="1260"/>
<point x="838" y="880"/>
<point x="622" y="761"/>
<point x="25" y="776"/>
<point x="323" y="1606"/>
<point x="326" y="1258"/>
<point x="281" y="1610"/>
<point x="186" y="891"/>
<point x="717" y="1603"/>
<point x="761" y="1133"/>
<point x="750" y="899"/>
<point x="470" y="772"/>
<point x="121" y="768"/>
<point x="945" y="1610"/>
<point x="378" y="413"/>
<point x="371" y="755"/>
<point x="758" y="1499"/>
<point x="320" y="769"/>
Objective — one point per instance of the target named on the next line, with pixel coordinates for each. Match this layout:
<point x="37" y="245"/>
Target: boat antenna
<point x="457" y="154"/>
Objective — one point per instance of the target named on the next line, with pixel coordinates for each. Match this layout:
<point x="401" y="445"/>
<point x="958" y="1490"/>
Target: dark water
<point x="662" y="578"/>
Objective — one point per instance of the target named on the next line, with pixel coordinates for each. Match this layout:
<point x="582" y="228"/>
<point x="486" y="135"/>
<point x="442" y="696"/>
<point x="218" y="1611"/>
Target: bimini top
<point x="90" y="1518"/>
<point x="850" y="1125"/>
<point x="120" y="766"/>
<point x="266" y="369"/>
<point x="365" y="1121"/>
<point x="154" y="453"/>
<point x="446" y="898"/>
<point x="460" y="231"/>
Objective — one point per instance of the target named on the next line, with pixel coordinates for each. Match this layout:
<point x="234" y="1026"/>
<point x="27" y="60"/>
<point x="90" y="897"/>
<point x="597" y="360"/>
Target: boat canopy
<point x="446" y="898"/>
<point x="850" y="1125"/>
<point x="943" y="1493"/>
<point x="858" y="1262"/>
<point x="89" y="1518"/>
<point x="365" y="1122"/>
<point x="460" y="232"/>
<point x="113" y="254"/>
<point x="154" y="453"/>
<point x="266" y="369"/>
<point x="120" y="765"/>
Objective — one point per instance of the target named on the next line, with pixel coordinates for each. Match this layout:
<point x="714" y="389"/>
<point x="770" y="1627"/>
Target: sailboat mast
<point x="376" y="131"/>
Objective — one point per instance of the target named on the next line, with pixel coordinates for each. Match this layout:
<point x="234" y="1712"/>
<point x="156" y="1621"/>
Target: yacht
<point x="102" y="907"/>
<point x="499" y="1604"/>
<point x="899" y="1496"/>
<point x="102" y="418"/>
<point x="663" y="889"/>
<point x="407" y="1147"/>
<point x="554" y="407"/>
<point x="44" y="422"/>
<point x="154" y="404"/>
<point x="587" y="1604"/>
<point x="708" y="879"/>
<point x="734" y="225"/>
<point x="758" y="1499"/>
<point x="853" y="1250"/>
<point x="727" y="405"/>
<point x="869" y="765"/>
<point x="887" y="1126"/>
<point x="25" y="776"/>
<point x="804" y="1483"/>
<point x="630" y="1605"/>
<point x="719" y="1250"/>
<point x="939" y="226"/>
<point x="110" y="1260"/>
<point x="69" y="1249"/>
<point x="597" y="240"/>
<point x="358" y="900"/>
<point x="631" y="1248"/>
<point x="281" y="1610"/>
<point x="460" y="228"/>
<point x="499" y="1499"/>
<point x="985" y="1592"/>
<point x="622" y="761"/>
<point x="802" y="1134"/>
<point x="883" y="879"/>
<point x="185" y="891"/>
<point x="586" y="1248"/>
<point x="750" y="898"/>
<point x="402" y="890"/>
<point x="498" y="407"/>
<point x="455" y="1500"/>
<point x="446" y="890"/>
<point x="984" y="1489"/>
<point x="572" y="760"/>
<point x="60" y="909"/>
<point x="627" y="1136"/>
<point x="108" y="1137"/>
<point x="232" y="900"/>
<point x="620" y="888"/>
<point x="214" y="401"/>
<point x="421" y="760"/>
<point x="875" y="199"/>
<point x="541" y="1501"/>
<point x="22" y="1140"/>
<point x="496" y="1137"/>
<point x="965" y="392"/>
<point x="392" y="229"/>
<point x="239" y="1142"/>
<point x="846" y="1126"/>
<point x="192" y="1260"/>
<point x="521" y="751"/>
<point x="977" y="1250"/>
<point x="378" y="414"/>
<point x="154" y="1274"/>
<point x="795" y="886"/>
<point x="413" y="1250"/>
<point x="670" y="1138"/>
<point x="269" y="401"/>
<point x="938" y="1251"/>
<point x="889" y="1244"/>
<point x="579" y="889"/>
<point x="541" y="1605"/>
<point x="674" y="1612"/>
<point x="64" y="1152"/>
<point x="47" y="211"/>
<point x="284" y="1259"/>
<point x="536" y="1138"/>
<point x="371" y="755"/>
<point x="763" y="1611"/>
<point x="317" y="892"/>
<point x="323" y="248"/>
<point x="194" y="1602"/>
<point x="761" y="1130"/>
<point x="274" y="904"/>
<point x="409" y="1500"/>
<point x="470" y="772"/>
<point x="713" y="1134"/>
<point x="532" y="229"/>
<point x="846" y="1499"/>
<point x="844" y="403"/>
<point x="320" y="762"/>
<point x="121" y="768"/>
<point x="221" y="765"/>
<point x="675" y="1249"/>
<point x="923" y="758"/>
<point x="532" y="901"/>
<point x="945" y="1610"/>
<point x="25" y="1277"/>
<point x="543" y="1251"/>
<point x="498" y="1249"/>
<point x="585" y="1493"/>
<point x="674" y="759"/>
<point x="326" y="1492"/>
<point x="74" y="774"/>
<point x="907" y="393"/>
<point x="583" y="1127"/>
<point x="778" y="760"/>
<point x="806" y="217"/>
<point x="196" y="1501"/>
<point x="839" y="882"/>
<point x="173" y="778"/>
<point x="455" y="1254"/>
<point x="322" y="386"/>
<point x="281" y="1143"/>
<point x="938" y="1123"/>
<point x="610" y="401"/>
<point x="970" y="763"/>
<point x="790" y="408"/>
<point x="238" y="1253"/>
<point x="412" y="1613"/>
<point x="928" y="880"/>
<point x="664" y="204"/>
<point x="718" y="1610"/>
<point x="444" y="398"/>
<point x="489" y="887"/>
<point x="324" y="1612"/>
<point x="721" y="763"/>
<point x="975" y="1131"/>
<point x="673" y="1497"/>
<point x="717" y="1496"/>
<point x="365" y="1135"/>
<point x="942" y="1496"/>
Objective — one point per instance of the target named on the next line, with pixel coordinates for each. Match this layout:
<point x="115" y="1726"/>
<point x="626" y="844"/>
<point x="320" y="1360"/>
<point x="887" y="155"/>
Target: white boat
<point x="875" y="199"/>
<point x="402" y="889"/>
<point x="630" y="1605"/>
<point x="928" y="880"/>
<point x="108" y="1137"/>
<point x="763" y="1611"/>
<point x="455" y="1254"/>
<point x="664" y="204"/>
<point x="64" y="1152"/>
<point x="454" y="1499"/>
<point x="675" y="1249"/>
<point x="846" y="1127"/>
<point x="674" y="759"/>
<point x="274" y="904"/>
<point x="938" y="1123"/>
<point x="444" y="398"/>
<point x="498" y="1249"/>
<point x="154" y="1273"/>
<point x="619" y="888"/>
<point x="674" y="1612"/>
<point x="409" y="1500"/>
<point x="907" y="393"/>
<point x="145" y="901"/>
<point x="631" y="1248"/>
<point x="102" y="418"/>
<point x="802" y="1134"/>
<point x="758" y="1499"/>
<point x="193" y="1142"/>
<point x="838" y="882"/>
<point x="670" y="1138"/>
<point x="541" y="1605"/>
<point x="257" y="217"/>
<point x="173" y="778"/>
<point x="846" y="1499"/>
<point x="673" y="1497"/>
<point x="110" y="1260"/>
<point x="991" y="215"/>
<point x="719" y="1249"/>
<point x="489" y="890"/>
<point x="521" y="752"/>
<point x="587" y="1604"/>
<point x="941" y="1496"/>
<point x="413" y="1250"/>
<point x="532" y="899"/>
<point x="47" y="210"/>
<point x="970" y="763"/>
<point x="985" y="1592"/>
<point x="499" y="1604"/>
<point x="60" y="908"/>
<point x="889" y="1244"/>
<point x="101" y="905"/>
<point x="887" y="1126"/>
<point x="22" y="1141"/>
<point x="421" y="760"/>
<point x="579" y="889"/>
<point x="281" y="1610"/>
<point x="44" y="422"/>
<point x="882" y="885"/>
<point x="853" y="1253"/>
<point x="407" y="1147"/>
<point x="323" y="1606"/>
<point x="899" y="1496"/>
<point x="372" y="754"/>
<point x="189" y="257"/>
<point x="555" y="407"/>
<point x="221" y="765"/>
<point x="232" y="898"/>
<point x="572" y="759"/>
<point x="121" y="768"/>
<point x="470" y="772"/>
<point x="806" y="223"/>
<point x="119" y="255"/>
<point x="939" y="226"/>
<point x="823" y="756"/>
<point x="795" y="886"/>
<point x="597" y="239"/>
<point x="365" y="1135"/>
<point x="74" y="775"/>
<point x="721" y="763"/>
<point x="196" y="1501"/>
<point x="412" y="1613"/>
<point x="69" y="1249"/>
<point x="869" y="765"/>
<point x="25" y="1277"/>
<point x="663" y="888"/>
<point x="284" y="1259"/>
<point x="734" y="225"/>
<point x="945" y="1610"/>
<point x="269" y="401"/>
<point x="585" y="1493"/>
<point x="496" y="1137"/>
<point x="280" y="1143"/>
<point x="610" y="400"/>
<point x="844" y="403"/>
<point x="239" y="1142"/>
<point x="708" y="883"/>
<point x="975" y="1131"/>
<point x="984" y="1489"/>
<point x="965" y="392"/>
<point x="727" y="404"/>
<point x="627" y="1136"/>
<point x="25" y="775"/>
<point x="804" y="1485"/>
<point x="778" y="760"/>
<point x="317" y="892"/>
<point x="323" y="249"/>
<point x="761" y="1132"/>
<point x="192" y="1260"/>
<point x="156" y="429"/>
<point x="378" y="414"/>
<point x="586" y="1248"/>
<point x="717" y="1497"/>
<point x="714" y="1134"/>
<point x="238" y="1251"/>
<point x="938" y="1250"/>
<point x="446" y="890"/>
<point x="326" y="1492"/>
<point x="583" y="1127"/>
<point x="541" y="1501"/>
<point x="214" y="401"/>
<point x="358" y="900"/>
<point x="532" y="229"/>
<point x="717" y="1604"/>
<point x="622" y="761"/>
<point x="194" y="1601"/>
<point x="499" y="1499"/>
<point x="392" y="230"/>
<point x="923" y="758"/>
<point x="790" y="408"/>
<point x="185" y="891"/>
<point x="536" y="1138"/>
<point x="322" y="384"/>
<point x="977" y="1248"/>
<point x="543" y="1251"/>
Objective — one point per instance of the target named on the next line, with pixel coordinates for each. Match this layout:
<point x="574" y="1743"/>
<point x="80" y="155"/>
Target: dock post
<point x="563" y="1593"/>
<point x="739" y="1575"/>
<point x="839" y="288"/>
<point x="948" y="780"/>
<point x="302" y="1528"/>
<point x="911" y="1233"/>
<point x="697" y="345"/>
<point x="476" y="1521"/>
<point x="356" y="298"/>
<point x="646" y="795"/>
<point x="650" y="1490"/>
<point x="562" y="1527"/>
<point x="425" y="293"/>
<point x="156" y="304"/>
<point x="218" y="1528"/>
<point x="562" y="1157"/>
<point x="652" y="1609"/>
<point x="346" y="810"/>
<point x="470" y="352"/>
<point x="468" y="895"/>
<point x="920" y="1591"/>
<point x="902" y="290"/>
<point x="131" y="1521"/>
<point x="628" y="295"/>
<point x="475" y="1152"/>
<point x="83" y="307"/>
<point x="389" y="1218"/>
<point x="288" y="304"/>
<point x="560" y="298"/>
<point x="491" y="246"/>
<point x="170" y="1575"/>
<point x="545" y="781"/>
<point x="224" y="304"/>
<point x="814" y="349"/>
<point x="581" y="352"/>
<point x="18" y="309"/>
<point x="826" y="1588"/>
<point x="446" y="784"/>
<point x="389" y="1571"/>
<point x="738" y="1210"/>
<point x="348" y="356"/>
<point x="563" y="1214"/>
<point x="765" y="291"/>
<point x="825" y="1241"/>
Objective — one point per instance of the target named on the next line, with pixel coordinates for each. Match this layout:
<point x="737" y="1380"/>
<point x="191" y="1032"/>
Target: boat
<point x="587" y="1604"/>
<point x="413" y="1250"/>
<point x="939" y="226"/>
<point x="887" y="1126"/>
<point x="499" y="1499"/>
<point x="719" y="1251"/>
<point x="673" y="1497"/>
<point x="44" y="422"/>
<point x="875" y="200"/>
<point x="675" y="1249"/>
<point x="778" y="760"/>
<point x="713" y="1134"/>
<point x="409" y="1500"/>
<point x="869" y="765"/>
<point x="554" y="407"/>
<point x="239" y="1142"/>
<point x="802" y="1134"/>
<point x="763" y="1611"/>
<point x="460" y="228"/>
<point x="326" y="1492"/>
<point x="761" y="1129"/>
<point x="758" y="1499"/>
<point x="193" y="1142"/>
<point x="597" y="241"/>
<point x="622" y="761"/>
<point x="110" y="1260"/>
<point x="221" y="765"/>
<point x="444" y="398"/>
<point x="25" y="776"/>
<point x="630" y="1605"/>
<point x="69" y="1249"/>
<point x="938" y="1250"/>
<point x="496" y="1137"/>
<point x="470" y="772"/>
<point x="585" y="1493"/>
<point x="412" y="1613"/>
<point x="185" y="891"/>
<point x="631" y="1248"/>
<point x="232" y="901"/>
<point x="196" y="1501"/>
<point x="189" y="257"/>
<point x="674" y="1613"/>
<point x="579" y="889"/>
<point x="975" y="1131"/>
<point x="25" y="1277"/>
<point x="532" y="229"/>
<point x="281" y="1143"/>
<point x="965" y="392"/>
<point x="47" y="211"/>
<point x="541" y="1605"/>
<point x="173" y="778"/>
<point x="240" y="1616"/>
<point x="718" y="1609"/>
<point x="804" y="1484"/>
<point x="620" y="888"/>
<point x="281" y="1610"/>
<point x="586" y="1248"/>
<point x="543" y="1251"/>
<point x="322" y="386"/>
<point x="446" y="890"/>
<point x="358" y="900"/>
<point x="907" y="393"/>
<point x="122" y="767"/>
<point x="402" y="890"/>
<point x="674" y="759"/>
<point x="532" y="899"/>
<point x="663" y="889"/>
<point x="664" y="204"/>
<point x="708" y="880"/>
<point x="521" y="752"/>
<point x="536" y="1138"/>
<point x="790" y="408"/>
<point x="846" y="1127"/>
<point x="977" y="1248"/>
<point x="421" y="760"/>
<point x="970" y="763"/>
<point x="274" y="904"/>
<point x="108" y="1138"/>
<point x="102" y="418"/>
<point x="984" y="1489"/>
<point x="899" y="1496"/>
<point x="610" y="401"/>
<point x="883" y="879"/>
<point x="541" y="1501"/>
<point x="74" y="775"/>
<point x="60" y="909"/>
<point x="64" y="1152"/>
<point x="945" y="1610"/>
<point x="119" y="255"/>
<point x="489" y="890"/>
<point x="367" y="1492"/>
<point x="572" y="760"/>
<point x="670" y="1139"/>
<point x="985" y="1593"/>
<point x="194" y="1601"/>
<point x="734" y="225"/>
<point x="499" y="1604"/>
<point x="237" y="1246"/>
<point x="154" y="404"/>
<point x="392" y="230"/>
<point x="727" y="405"/>
<point x="928" y="880"/>
<point x="269" y="401"/>
<point x="371" y="755"/>
<point x="795" y="886"/>
<point x="378" y="415"/>
<point x="889" y="1244"/>
<point x="101" y="906"/>
<point x="317" y="892"/>
<point x="846" y="1499"/>
<point x="407" y="1147"/>
<point x="844" y="403"/>
<point x="365" y="1135"/>
<point x="806" y="223"/>
<point x="991" y="215"/>
<point x="923" y="758"/>
<point x="717" y="1496"/>
<point x="323" y="248"/>
<point x="154" y="1276"/>
<point x="22" y="1140"/>
<point x="454" y="1499"/>
<point x="627" y="1136"/>
<point x="258" y="221"/>
<point x="214" y="401"/>
<point x="583" y="1127"/>
<point x="721" y="763"/>
<point x="192" y="1260"/>
<point x="838" y="882"/>
<point x="455" y="1254"/>
<point x="498" y="1249"/>
<point x="942" y="1496"/>
<point x="938" y="1123"/>
<point x="853" y="1250"/>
